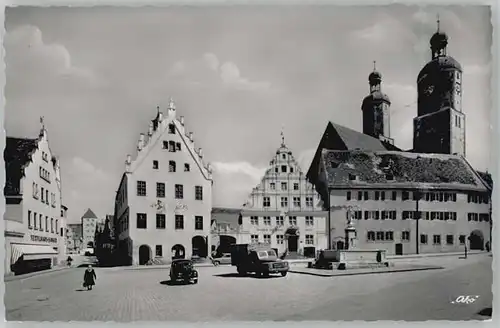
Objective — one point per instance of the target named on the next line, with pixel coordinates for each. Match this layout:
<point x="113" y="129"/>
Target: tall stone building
<point x="164" y="200"/>
<point x="89" y="224"/>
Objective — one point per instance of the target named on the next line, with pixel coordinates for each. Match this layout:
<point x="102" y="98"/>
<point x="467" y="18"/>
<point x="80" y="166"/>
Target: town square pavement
<point x="126" y="294"/>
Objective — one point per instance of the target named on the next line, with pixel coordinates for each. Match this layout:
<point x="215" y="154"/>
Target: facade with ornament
<point x="35" y="218"/>
<point x="425" y="200"/>
<point x="284" y="210"/>
<point x="164" y="199"/>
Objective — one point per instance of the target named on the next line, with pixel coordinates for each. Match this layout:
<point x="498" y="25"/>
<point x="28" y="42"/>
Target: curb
<point x="33" y="274"/>
<point x="365" y="273"/>
<point x="430" y="255"/>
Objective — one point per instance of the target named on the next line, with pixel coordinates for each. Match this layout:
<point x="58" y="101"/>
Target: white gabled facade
<point x="35" y="219"/>
<point x="284" y="210"/>
<point x="164" y="201"/>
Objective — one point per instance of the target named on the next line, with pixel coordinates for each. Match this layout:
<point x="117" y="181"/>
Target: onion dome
<point x="439" y="40"/>
<point x="439" y="64"/>
<point x="376" y="97"/>
<point x="375" y="78"/>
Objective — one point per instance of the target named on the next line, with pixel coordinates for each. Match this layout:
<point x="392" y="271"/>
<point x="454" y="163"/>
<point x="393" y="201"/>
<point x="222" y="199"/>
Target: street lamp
<point x="417" y="196"/>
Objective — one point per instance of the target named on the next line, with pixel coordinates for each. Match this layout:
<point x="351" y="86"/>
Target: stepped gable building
<point x="283" y="210"/>
<point x="423" y="201"/>
<point x="164" y="200"/>
<point x="34" y="215"/>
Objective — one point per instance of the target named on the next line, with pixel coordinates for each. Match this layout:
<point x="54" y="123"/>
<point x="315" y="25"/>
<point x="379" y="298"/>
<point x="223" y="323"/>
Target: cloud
<point x="385" y="28"/>
<point x="305" y="158"/>
<point x="29" y="58"/>
<point x="477" y="69"/>
<point x="447" y="19"/>
<point x="208" y="69"/>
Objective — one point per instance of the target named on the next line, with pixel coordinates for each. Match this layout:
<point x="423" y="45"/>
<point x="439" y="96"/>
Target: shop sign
<point x="43" y="239"/>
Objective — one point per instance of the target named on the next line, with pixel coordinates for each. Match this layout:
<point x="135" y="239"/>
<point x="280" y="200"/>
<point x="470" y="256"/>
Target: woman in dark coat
<point x="89" y="278"/>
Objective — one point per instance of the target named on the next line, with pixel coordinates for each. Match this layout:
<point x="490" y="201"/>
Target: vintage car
<point x="182" y="270"/>
<point x="258" y="258"/>
<point x="225" y="258"/>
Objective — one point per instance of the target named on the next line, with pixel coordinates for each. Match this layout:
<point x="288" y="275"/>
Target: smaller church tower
<point x="376" y="109"/>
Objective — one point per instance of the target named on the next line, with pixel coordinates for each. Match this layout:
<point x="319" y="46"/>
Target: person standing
<point x="89" y="278"/>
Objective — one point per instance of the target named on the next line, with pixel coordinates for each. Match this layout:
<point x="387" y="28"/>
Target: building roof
<point x="338" y="137"/>
<point x="17" y="155"/>
<point x="89" y="215"/>
<point x="394" y="169"/>
<point x="228" y="216"/>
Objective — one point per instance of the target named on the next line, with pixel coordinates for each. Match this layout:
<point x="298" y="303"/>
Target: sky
<point x="240" y="75"/>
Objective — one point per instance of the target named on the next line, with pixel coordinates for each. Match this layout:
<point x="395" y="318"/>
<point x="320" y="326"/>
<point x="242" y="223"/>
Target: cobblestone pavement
<point x="128" y="295"/>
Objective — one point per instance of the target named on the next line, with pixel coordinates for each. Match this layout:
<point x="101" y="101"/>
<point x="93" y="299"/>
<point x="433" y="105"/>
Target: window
<point x="348" y="195"/>
<point x="267" y="201"/>
<point x="309" y="201"/>
<point x="280" y="239"/>
<point x="360" y="195"/>
<point x="292" y="220"/>
<point x="198" y="222"/>
<point x="309" y="239"/>
<point x="461" y="239"/>
<point x="35" y="224"/>
<point x="358" y="215"/>
<point x="35" y="190"/>
<point x="165" y="144"/>
<point x="141" y="188"/>
<point x="254" y="238"/>
<point x="284" y="202"/>
<point x="382" y="195"/>
<point x="295" y="186"/>
<point x="62" y="232"/>
<point x="198" y="192"/>
<point x="267" y="220"/>
<point x="423" y="239"/>
<point x="171" y="166"/>
<point x="366" y="195"/>
<point x="394" y="195"/>
<point x="29" y="220"/>
<point x="276" y="169"/>
<point x="171" y="146"/>
<point x="156" y="165"/>
<point x="161" y="221"/>
<point x="254" y="220"/>
<point x="40" y="217"/>
<point x="436" y="239"/>
<point x="279" y="221"/>
<point x="186" y="167"/>
<point x="179" y="191"/>
<point x="142" y="220"/>
<point x="309" y="221"/>
<point x="52" y="225"/>
<point x="405" y="236"/>
<point x="272" y="185"/>
<point x="380" y="235"/>
<point x="160" y="189"/>
<point x="449" y="239"/>
<point x="158" y="251"/>
<point x="283" y="156"/>
<point x="171" y="128"/>
<point x="284" y="186"/>
<point x="392" y="215"/>
<point x="405" y="195"/>
<point x="296" y="201"/>
<point x="179" y="222"/>
<point x="43" y="194"/>
<point x="46" y="224"/>
<point x="377" y="195"/>
<point x="283" y="168"/>
<point x="267" y="239"/>
<point x="389" y="235"/>
<point x="291" y="171"/>
<point x="370" y="235"/>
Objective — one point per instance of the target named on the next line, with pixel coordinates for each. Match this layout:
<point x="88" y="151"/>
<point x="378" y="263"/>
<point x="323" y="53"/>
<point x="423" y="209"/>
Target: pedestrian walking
<point x="89" y="278"/>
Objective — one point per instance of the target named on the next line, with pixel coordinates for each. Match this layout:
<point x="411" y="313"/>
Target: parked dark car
<point x="182" y="270"/>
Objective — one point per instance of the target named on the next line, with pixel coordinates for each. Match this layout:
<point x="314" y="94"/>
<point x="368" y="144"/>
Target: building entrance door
<point x="293" y="243"/>
<point x="399" y="249"/>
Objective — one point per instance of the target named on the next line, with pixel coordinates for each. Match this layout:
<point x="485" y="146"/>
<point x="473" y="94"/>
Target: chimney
<point x="182" y="120"/>
<point x="140" y="143"/>
<point x="127" y="163"/>
<point x="150" y="131"/>
<point x="160" y="117"/>
<point x="171" y="108"/>
<point x="200" y="152"/>
<point x="191" y="136"/>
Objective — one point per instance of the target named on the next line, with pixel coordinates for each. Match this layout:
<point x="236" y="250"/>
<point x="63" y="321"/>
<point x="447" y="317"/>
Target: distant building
<point x="423" y="201"/>
<point x="225" y="229"/>
<point x="89" y="225"/>
<point x="283" y="210"/>
<point x="74" y="238"/>
<point x="34" y="214"/>
<point x="164" y="200"/>
<point x="111" y="222"/>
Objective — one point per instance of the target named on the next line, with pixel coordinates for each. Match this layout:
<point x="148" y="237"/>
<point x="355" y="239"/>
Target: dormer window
<point x="352" y="177"/>
<point x="156" y="165"/>
<point x="171" y="128"/>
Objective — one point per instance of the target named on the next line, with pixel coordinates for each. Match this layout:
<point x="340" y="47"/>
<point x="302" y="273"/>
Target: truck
<point x="258" y="258"/>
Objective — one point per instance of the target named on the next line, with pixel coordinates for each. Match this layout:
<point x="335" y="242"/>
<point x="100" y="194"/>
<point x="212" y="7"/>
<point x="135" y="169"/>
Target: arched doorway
<point x="340" y="245"/>
<point x="178" y="252"/>
<point x="225" y="243"/>
<point x="292" y="237"/>
<point x="144" y="254"/>
<point x="476" y="240"/>
<point x="199" y="245"/>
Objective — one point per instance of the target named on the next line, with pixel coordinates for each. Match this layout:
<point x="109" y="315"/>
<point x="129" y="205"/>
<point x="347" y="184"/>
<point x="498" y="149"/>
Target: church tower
<point x="440" y="124"/>
<point x="376" y="109"/>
